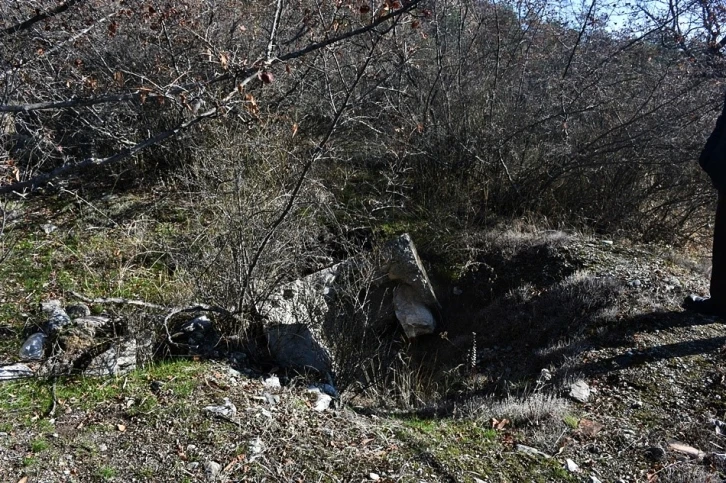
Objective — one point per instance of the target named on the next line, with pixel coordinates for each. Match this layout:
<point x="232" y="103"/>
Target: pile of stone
<point x="72" y="341"/>
<point x="302" y="320"/>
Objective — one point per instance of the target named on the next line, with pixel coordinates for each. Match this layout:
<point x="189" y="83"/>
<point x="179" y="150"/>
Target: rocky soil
<point x="558" y="357"/>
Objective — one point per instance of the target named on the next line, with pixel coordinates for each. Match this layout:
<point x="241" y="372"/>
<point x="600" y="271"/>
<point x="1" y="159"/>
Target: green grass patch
<point x="27" y="399"/>
<point x="465" y="450"/>
<point x="38" y="445"/>
<point x="571" y="421"/>
<point x="106" y="472"/>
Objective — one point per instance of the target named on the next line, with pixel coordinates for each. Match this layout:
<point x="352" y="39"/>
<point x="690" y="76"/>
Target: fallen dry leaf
<point x="499" y="424"/>
<point x="589" y="427"/>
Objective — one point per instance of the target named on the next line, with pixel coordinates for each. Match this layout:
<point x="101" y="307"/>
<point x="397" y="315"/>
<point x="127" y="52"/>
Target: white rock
<point x="228" y="409"/>
<point x="48" y="228"/>
<point x="374" y="476"/>
<point x="572" y="467"/>
<point x="322" y="401"/>
<point x="272" y="382"/>
<point x="212" y="469"/>
<point x="580" y="391"/>
<point x="255" y="448"/>
<point x="118" y="360"/>
<point x="594" y="479"/>
<point x="531" y="451"/>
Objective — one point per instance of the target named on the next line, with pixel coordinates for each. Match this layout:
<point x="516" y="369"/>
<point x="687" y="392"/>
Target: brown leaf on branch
<point x="266" y="77"/>
<point x="118" y="77"/>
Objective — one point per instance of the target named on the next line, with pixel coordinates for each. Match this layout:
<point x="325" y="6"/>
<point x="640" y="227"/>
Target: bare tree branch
<point x="315" y="156"/>
<point x="86" y="163"/>
<point x="249" y="73"/>
<point x="39" y="17"/>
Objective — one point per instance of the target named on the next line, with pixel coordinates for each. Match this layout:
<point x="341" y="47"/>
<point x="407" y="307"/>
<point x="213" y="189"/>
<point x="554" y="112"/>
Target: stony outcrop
<point x="304" y="316"/>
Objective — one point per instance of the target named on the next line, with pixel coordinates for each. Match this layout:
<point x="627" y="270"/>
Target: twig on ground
<point x="117" y="301"/>
<point x="54" y="397"/>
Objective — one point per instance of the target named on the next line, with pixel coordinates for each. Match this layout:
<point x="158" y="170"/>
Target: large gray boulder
<point x="305" y="317"/>
<point x="295" y="345"/>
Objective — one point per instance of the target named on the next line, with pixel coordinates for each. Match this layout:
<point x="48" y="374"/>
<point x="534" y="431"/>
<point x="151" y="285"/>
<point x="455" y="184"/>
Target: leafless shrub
<point x="539" y="414"/>
<point x="532" y="409"/>
<point x="685" y="471"/>
<point x="395" y="380"/>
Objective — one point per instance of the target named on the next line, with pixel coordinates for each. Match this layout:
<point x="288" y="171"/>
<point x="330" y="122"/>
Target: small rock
<point x="594" y="479"/>
<point x="102" y="447"/>
<point x="256" y="447"/>
<point x="271" y="399"/>
<point x="48" y="228"/>
<point x="572" y="467"/>
<point x="119" y="359"/>
<point x="531" y="451"/>
<point x="374" y="476"/>
<point x="414" y="316"/>
<point x="580" y="391"/>
<point x="57" y="317"/>
<point x="588" y="427"/>
<point x="272" y="382"/>
<point x="156" y="386"/>
<point x="457" y="291"/>
<point x="90" y="324"/>
<point x="322" y="401"/>
<point x="686" y="449"/>
<point x="228" y="409"/>
<point x="76" y="311"/>
<point x="655" y="453"/>
<point x="212" y="469"/>
<point x="15" y="371"/>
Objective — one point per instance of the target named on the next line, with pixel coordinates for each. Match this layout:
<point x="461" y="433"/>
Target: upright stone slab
<point x="414" y="297"/>
<point x="404" y="265"/>
<point x="303" y="317"/>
